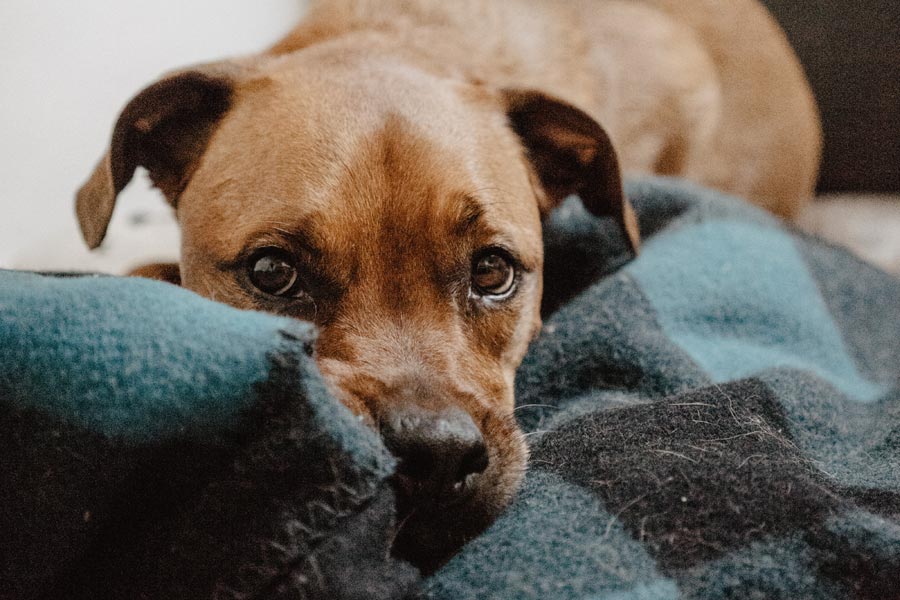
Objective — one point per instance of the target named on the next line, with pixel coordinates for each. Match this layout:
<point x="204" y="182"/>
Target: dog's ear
<point x="165" y="129"/>
<point x="571" y="154"/>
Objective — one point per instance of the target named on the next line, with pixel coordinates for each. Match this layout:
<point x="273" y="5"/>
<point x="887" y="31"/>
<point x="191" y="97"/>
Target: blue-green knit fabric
<point x="719" y="418"/>
<point x="159" y="445"/>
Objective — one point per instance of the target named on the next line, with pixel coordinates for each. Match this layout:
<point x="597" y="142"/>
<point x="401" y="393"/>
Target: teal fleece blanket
<point x="159" y="445"/>
<point x="719" y="418"/>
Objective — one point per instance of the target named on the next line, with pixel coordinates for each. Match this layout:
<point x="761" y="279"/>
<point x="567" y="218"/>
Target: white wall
<point x="66" y="69"/>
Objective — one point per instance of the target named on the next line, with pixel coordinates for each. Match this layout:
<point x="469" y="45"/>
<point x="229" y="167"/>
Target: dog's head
<point x="398" y="211"/>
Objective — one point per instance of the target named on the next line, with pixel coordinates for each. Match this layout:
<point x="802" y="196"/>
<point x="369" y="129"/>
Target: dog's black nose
<point x="439" y="451"/>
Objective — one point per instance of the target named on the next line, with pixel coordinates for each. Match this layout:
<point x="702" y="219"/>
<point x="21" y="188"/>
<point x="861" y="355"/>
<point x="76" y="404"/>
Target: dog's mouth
<point x="432" y="528"/>
<point x="433" y="525"/>
<point x="413" y="493"/>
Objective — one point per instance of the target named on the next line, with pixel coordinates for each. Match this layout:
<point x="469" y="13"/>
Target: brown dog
<point x="383" y="172"/>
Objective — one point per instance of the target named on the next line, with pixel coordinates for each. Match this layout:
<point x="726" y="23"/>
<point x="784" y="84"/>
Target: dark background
<point x="851" y="53"/>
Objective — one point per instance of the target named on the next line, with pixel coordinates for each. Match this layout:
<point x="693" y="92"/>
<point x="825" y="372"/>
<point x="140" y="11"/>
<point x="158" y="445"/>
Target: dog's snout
<point x="439" y="451"/>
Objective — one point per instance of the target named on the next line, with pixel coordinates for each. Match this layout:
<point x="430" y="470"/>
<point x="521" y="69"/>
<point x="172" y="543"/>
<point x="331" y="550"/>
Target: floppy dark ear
<point x="165" y="128"/>
<point x="571" y="154"/>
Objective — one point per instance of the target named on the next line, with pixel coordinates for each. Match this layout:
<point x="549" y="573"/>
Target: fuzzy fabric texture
<point x="159" y="445"/>
<point x="719" y="418"/>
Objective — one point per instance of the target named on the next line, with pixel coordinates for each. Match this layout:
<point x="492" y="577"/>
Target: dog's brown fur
<point x="383" y="143"/>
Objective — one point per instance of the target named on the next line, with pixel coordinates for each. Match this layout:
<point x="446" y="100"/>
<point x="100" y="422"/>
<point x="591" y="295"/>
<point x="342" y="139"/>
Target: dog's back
<point x="692" y="88"/>
<point x="767" y="141"/>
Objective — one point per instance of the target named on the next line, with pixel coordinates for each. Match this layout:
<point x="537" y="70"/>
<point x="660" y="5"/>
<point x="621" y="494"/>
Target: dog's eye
<point x="493" y="275"/>
<point x="273" y="271"/>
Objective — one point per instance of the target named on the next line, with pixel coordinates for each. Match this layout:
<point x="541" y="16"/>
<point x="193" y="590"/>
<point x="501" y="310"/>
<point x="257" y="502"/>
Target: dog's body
<point x="699" y="89"/>
<point x="383" y="172"/>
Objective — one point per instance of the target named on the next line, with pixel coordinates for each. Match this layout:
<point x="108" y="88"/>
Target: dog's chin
<point x="431" y="531"/>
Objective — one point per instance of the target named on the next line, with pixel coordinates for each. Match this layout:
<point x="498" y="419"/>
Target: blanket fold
<point x="719" y="418"/>
<point x="158" y="445"/>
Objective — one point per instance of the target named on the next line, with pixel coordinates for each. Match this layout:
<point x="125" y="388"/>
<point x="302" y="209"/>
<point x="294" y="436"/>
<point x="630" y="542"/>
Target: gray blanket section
<point x="718" y="419"/>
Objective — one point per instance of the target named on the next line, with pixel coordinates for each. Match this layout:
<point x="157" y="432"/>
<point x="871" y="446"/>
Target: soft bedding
<point x="719" y="418"/>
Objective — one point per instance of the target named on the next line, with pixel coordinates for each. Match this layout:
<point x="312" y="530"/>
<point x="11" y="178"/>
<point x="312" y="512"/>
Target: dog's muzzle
<point x="441" y="453"/>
